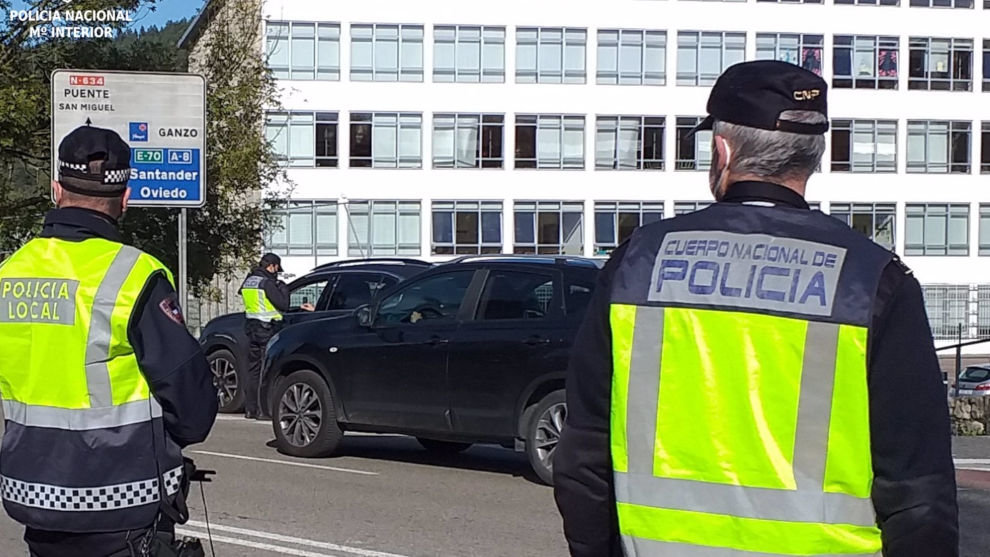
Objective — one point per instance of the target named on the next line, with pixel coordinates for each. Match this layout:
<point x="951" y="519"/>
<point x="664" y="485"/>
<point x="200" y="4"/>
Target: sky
<point x="165" y="10"/>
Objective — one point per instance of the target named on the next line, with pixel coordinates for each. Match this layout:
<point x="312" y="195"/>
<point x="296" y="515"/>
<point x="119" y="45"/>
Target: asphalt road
<point x="386" y="497"/>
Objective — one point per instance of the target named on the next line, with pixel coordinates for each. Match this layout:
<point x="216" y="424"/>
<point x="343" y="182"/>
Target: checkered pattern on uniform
<point x="116" y="176"/>
<point x="102" y="498"/>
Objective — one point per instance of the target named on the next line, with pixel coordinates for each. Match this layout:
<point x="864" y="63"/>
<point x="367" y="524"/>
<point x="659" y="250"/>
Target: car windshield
<point x="975" y="374"/>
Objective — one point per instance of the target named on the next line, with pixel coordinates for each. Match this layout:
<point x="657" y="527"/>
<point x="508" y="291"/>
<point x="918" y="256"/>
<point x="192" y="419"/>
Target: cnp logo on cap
<point x="807" y="94"/>
<point x="139" y="131"/>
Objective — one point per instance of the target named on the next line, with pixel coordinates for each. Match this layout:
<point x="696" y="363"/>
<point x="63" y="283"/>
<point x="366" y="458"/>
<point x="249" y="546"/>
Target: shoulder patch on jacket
<point x="170" y="307"/>
<point x="902" y="266"/>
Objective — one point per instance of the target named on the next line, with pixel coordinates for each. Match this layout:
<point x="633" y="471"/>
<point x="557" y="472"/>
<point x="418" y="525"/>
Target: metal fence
<point x="955" y="307"/>
<point x="200" y="311"/>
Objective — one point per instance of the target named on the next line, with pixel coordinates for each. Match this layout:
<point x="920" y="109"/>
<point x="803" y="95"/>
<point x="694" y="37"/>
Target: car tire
<point x="543" y="434"/>
<point x="443" y="447"/>
<point x="304" y="417"/>
<point x="223" y="364"/>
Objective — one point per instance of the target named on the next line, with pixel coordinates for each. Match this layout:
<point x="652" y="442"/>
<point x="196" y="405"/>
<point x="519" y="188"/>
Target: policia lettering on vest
<point x="96" y="414"/>
<point x="724" y="394"/>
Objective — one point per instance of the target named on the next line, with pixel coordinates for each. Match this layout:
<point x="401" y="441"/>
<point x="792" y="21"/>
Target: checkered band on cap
<point x="116" y="176"/>
<point x="79" y="167"/>
<point x="101" y="498"/>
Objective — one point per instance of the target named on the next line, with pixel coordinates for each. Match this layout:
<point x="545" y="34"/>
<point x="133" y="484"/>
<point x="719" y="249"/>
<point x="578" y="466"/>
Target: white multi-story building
<point x="429" y="129"/>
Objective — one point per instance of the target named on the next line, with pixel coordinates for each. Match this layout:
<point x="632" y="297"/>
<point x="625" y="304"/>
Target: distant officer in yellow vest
<point x="756" y="378"/>
<point x="102" y="384"/>
<point x="266" y="298"/>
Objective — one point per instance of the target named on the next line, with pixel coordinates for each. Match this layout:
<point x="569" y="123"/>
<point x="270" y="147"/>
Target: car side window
<point x="578" y="296"/>
<point x="354" y="290"/>
<point x="515" y="295"/>
<point x="434" y="298"/>
<point x="306" y="294"/>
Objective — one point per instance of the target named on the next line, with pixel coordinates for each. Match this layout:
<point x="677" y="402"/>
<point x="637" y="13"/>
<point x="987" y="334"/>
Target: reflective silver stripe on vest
<point x="100" y="330"/>
<point x="640" y="546"/>
<point x="96" y="498"/>
<point x="808" y="503"/>
<point x="81" y="419"/>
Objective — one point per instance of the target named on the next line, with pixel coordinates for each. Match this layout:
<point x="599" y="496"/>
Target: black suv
<point x="335" y="289"/>
<point x="471" y="351"/>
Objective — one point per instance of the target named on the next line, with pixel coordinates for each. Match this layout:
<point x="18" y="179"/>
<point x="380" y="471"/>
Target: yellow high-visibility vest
<point x="256" y="302"/>
<point x="80" y="415"/>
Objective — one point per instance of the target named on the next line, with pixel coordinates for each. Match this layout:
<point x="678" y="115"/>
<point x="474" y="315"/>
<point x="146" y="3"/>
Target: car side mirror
<point x="363" y="314"/>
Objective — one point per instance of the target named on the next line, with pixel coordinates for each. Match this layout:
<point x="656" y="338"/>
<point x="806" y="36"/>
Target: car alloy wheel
<point x="225" y="380"/>
<point x="300" y="414"/>
<point x="548" y="428"/>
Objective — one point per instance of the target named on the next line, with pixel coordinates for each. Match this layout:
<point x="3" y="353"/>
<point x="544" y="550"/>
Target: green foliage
<point x="224" y="235"/>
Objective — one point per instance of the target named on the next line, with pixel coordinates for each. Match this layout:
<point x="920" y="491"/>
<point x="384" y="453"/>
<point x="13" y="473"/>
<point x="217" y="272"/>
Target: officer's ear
<point x="57" y="193"/>
<point x="724" y="151"/>
<point x="124" y="199"/>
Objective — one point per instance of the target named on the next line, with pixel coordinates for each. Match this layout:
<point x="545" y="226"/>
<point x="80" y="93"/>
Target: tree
<point x="226" y="234"/>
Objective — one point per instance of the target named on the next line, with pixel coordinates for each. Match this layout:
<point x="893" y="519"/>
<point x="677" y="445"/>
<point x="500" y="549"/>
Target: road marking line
<point x="290" y="540"/>
<point x="254" y="545"/>
<point x="242" y="419"/>
<point x="287" y="463"/>
<point x="971" y="461"/>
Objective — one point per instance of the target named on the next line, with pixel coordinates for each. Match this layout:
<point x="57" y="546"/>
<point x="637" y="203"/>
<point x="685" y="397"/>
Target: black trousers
<point x="258" y="334"/>
<point x="108" y="544"/>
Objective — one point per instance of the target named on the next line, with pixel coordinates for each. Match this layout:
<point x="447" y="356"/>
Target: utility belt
<point x="164" y="544"/>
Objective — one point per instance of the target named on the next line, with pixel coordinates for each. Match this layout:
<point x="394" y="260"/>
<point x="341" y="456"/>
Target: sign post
<point x="162" y="116"/>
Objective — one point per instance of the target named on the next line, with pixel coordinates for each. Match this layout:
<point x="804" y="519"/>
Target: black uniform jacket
<point x="914" y="490"/>
<point x="171" y="360"/>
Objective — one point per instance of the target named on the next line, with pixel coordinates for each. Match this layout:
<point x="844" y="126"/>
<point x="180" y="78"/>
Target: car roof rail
<point x="373" y="261"/>
<point x="532" y="258"/>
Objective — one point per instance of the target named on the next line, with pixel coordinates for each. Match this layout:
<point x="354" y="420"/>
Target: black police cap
<point x="271" y="259"/>
<point x="755" y="94"/>
<point x="94" y="161"/>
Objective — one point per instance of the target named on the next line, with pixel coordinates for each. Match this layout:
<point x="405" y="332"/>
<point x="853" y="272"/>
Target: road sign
<point x="162" y="116"/>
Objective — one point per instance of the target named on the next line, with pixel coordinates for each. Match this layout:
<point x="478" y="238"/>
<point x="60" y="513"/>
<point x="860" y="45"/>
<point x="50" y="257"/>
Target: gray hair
<point x="774" y="154"/>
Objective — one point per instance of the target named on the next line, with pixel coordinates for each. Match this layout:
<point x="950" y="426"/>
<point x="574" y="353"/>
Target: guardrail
<point x="958" y="348"/>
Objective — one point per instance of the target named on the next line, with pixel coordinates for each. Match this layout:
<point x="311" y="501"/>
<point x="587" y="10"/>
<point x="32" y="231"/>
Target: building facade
<point x="436" y="129"/>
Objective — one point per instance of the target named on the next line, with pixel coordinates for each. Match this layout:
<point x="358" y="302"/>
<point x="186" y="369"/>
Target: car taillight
<point x="983" y="387"/>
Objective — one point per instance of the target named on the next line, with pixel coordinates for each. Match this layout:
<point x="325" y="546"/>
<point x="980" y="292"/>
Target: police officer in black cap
<point x="103" y="384"/>
<point x="266" y="299"/>
<point x="756" y="378"/>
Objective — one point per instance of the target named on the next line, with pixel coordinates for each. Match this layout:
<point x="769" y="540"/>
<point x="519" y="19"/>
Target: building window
<point x="695" y="152"/>
<point x="938" y="146"/>
<point x="702" y="57"/>
<point x="549" y="227"/>
<point x="865" y="62"/>
<point x="937" y="229"/>
<point x="874" y="220"/>
<point x="326" y="139"/>
<point x="468" y="54"/>
<point x="986" y="58"/>
<point x="467" y="227"/>
<point x="941" y="64"/>
<point x="806" y="51"/>
<point x="870" y="2"/>
<point x="549" y="141"/>
<point x="947" y="309"/>
<point x="632" y="57"/>
<point x="685" y="207"/>
<point x="386" y="140"/>
<point x="304" y="50"/>
<point x="984" y="229"/>
<point x="295" y="140"/>
<point x="983" y="309"/>
<point x="864" y="146"/>
<point x="985" y="148"/>
<point x="941" y="3"/>
<point x="304" y="228"/>
<point x="550" y="55"/>
<point x="383" y="228"/>
<point x="467" y="140"/>
<point x="386" y="52"/>
<point x="615" y="221"/>
<point x="629" y="143"/>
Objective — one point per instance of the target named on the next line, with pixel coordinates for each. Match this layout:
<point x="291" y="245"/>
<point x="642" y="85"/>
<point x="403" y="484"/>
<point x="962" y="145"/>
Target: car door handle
<point x="436" y="341"/>
<point x="535" y="341"/>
